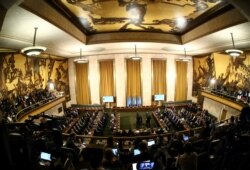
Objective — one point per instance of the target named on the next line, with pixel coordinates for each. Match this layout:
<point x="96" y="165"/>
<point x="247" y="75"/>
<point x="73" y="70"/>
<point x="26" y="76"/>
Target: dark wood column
<point x="242" y="6"/>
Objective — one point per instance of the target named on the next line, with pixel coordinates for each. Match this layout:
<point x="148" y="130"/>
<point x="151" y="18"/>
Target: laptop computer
<point x="185" y="138"/>
<point x="115" y="151"/>
<point x="136" y="152"/>
<point x="151" y="142"/>
<point x="146" y="165"/>
<point x="45" y="156"/>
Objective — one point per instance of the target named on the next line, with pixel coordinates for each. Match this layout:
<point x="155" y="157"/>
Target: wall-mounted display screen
<point x="106" y="99"/>
<point x="159" y="97"/>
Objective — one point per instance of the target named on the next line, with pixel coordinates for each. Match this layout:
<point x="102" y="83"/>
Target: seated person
<point x="111" y="161"/>
<point x="188" y="160"/>
<point x="144" y="154"/>
<point x="71" y="143"/>
<point x="110" y="143"/>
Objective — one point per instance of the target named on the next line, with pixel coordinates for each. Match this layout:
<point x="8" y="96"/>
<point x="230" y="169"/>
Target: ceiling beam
<point x="242" y="6"/>
<point x="4" y="6"/>
<point x="133" y="37"/>
<point x="225" y="20"/>
<point x="45" y="11"/>
<point x="3" y="12"/>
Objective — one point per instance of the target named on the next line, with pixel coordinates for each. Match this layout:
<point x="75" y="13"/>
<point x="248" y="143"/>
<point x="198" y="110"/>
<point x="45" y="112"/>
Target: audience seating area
<point x="77" y="141"/>
<point x="14" y="107"/>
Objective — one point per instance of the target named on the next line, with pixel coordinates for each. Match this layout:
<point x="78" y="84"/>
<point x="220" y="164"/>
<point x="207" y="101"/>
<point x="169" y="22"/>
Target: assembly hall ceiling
<point x="164" y="16"/>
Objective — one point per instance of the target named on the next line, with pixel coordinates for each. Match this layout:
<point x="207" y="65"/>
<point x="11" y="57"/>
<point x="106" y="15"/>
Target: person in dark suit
<point x="148" y="118"/>
<point x="206" y="130"/>
<point x="188" y="160"/>
<point x="138" y="120"/>
<point x="111" y="161"/>
<point x="144" y="155"/>
<point x="70" y="143"/>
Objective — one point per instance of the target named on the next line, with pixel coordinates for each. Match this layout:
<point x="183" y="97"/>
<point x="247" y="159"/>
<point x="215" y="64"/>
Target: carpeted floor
<point x="128" y="120"/>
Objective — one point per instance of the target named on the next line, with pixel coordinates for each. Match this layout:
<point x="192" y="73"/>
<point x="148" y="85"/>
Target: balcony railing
<point x="38" y="108"/>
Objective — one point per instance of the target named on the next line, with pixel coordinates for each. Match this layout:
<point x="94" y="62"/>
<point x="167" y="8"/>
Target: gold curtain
<point x="133" y="78"/>
<point x="82" y="84"/>
<point x="159" y="77"/>
<point x="106" y="78"/>
<point x="181" y="81"/>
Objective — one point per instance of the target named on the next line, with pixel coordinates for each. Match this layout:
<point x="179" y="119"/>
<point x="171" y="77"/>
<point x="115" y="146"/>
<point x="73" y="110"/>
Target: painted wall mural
<point x="21" y="75"/>
<point x="230" y="74"/>
<point x="203" y="72"/>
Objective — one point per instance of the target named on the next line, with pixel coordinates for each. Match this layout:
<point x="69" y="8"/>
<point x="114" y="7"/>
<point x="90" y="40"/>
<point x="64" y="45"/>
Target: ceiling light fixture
<point x="135" y="57"/>
<point x="185" y="58"/>
<point x="234" y="52"/>
<point x="33" y="50"/>
<point x="81" y="60"/>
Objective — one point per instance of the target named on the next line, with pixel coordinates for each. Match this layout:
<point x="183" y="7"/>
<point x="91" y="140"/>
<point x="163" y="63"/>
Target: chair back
<point x="68" y="165"/>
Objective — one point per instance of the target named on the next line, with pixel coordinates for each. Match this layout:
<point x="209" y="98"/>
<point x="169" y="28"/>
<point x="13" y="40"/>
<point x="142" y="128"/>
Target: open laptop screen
<point x="147" y="165"/>
<point x="151" y="142"/>
<point x="136" y="152"/>
<point x="185" y="137"/>
<point x="45" y="156"/>
<point x="115" y="151"/>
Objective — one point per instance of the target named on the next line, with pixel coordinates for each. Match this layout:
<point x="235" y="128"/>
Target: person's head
<point x="136" y="142"/>
<point x="187" y="148"/>
<point x="110" y="141"/>
<point x="96" y="161"/>
<point x="160" y="139"/>
<point x="232" y="118"/>
<point x="72" y="136"/>
<point x="108" y="154"/>
<point x="191" y="132"/>
<point x="207" y="123"/>
<point x="143" y="146"/>
<point x="179" y="136"/>
<point x="172" y="151"/>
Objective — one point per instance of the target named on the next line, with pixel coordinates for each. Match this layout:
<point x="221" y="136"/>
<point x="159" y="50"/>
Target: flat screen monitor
<point x="108" y="99"/>
<point x="159" y="97"/>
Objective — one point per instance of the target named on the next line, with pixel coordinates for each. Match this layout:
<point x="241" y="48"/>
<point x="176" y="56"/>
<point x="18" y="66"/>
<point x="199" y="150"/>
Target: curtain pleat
<point x="82" y="88"/>
<point x="106" y="78"/>
<point x="159" y="77"/>
<point x="181" y="81"/>
<point x="133" y="78"/>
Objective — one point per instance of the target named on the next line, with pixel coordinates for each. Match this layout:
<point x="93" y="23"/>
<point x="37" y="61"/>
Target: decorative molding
<point x="133" y="37"/>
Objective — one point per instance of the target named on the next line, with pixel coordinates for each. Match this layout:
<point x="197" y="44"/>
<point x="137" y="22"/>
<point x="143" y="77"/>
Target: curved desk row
<point x="22" y="115"/>
<point x="221" y="107"/>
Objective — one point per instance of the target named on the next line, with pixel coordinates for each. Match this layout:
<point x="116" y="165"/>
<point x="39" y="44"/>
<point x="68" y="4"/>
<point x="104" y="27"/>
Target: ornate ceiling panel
<point x="167" y="16"/>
